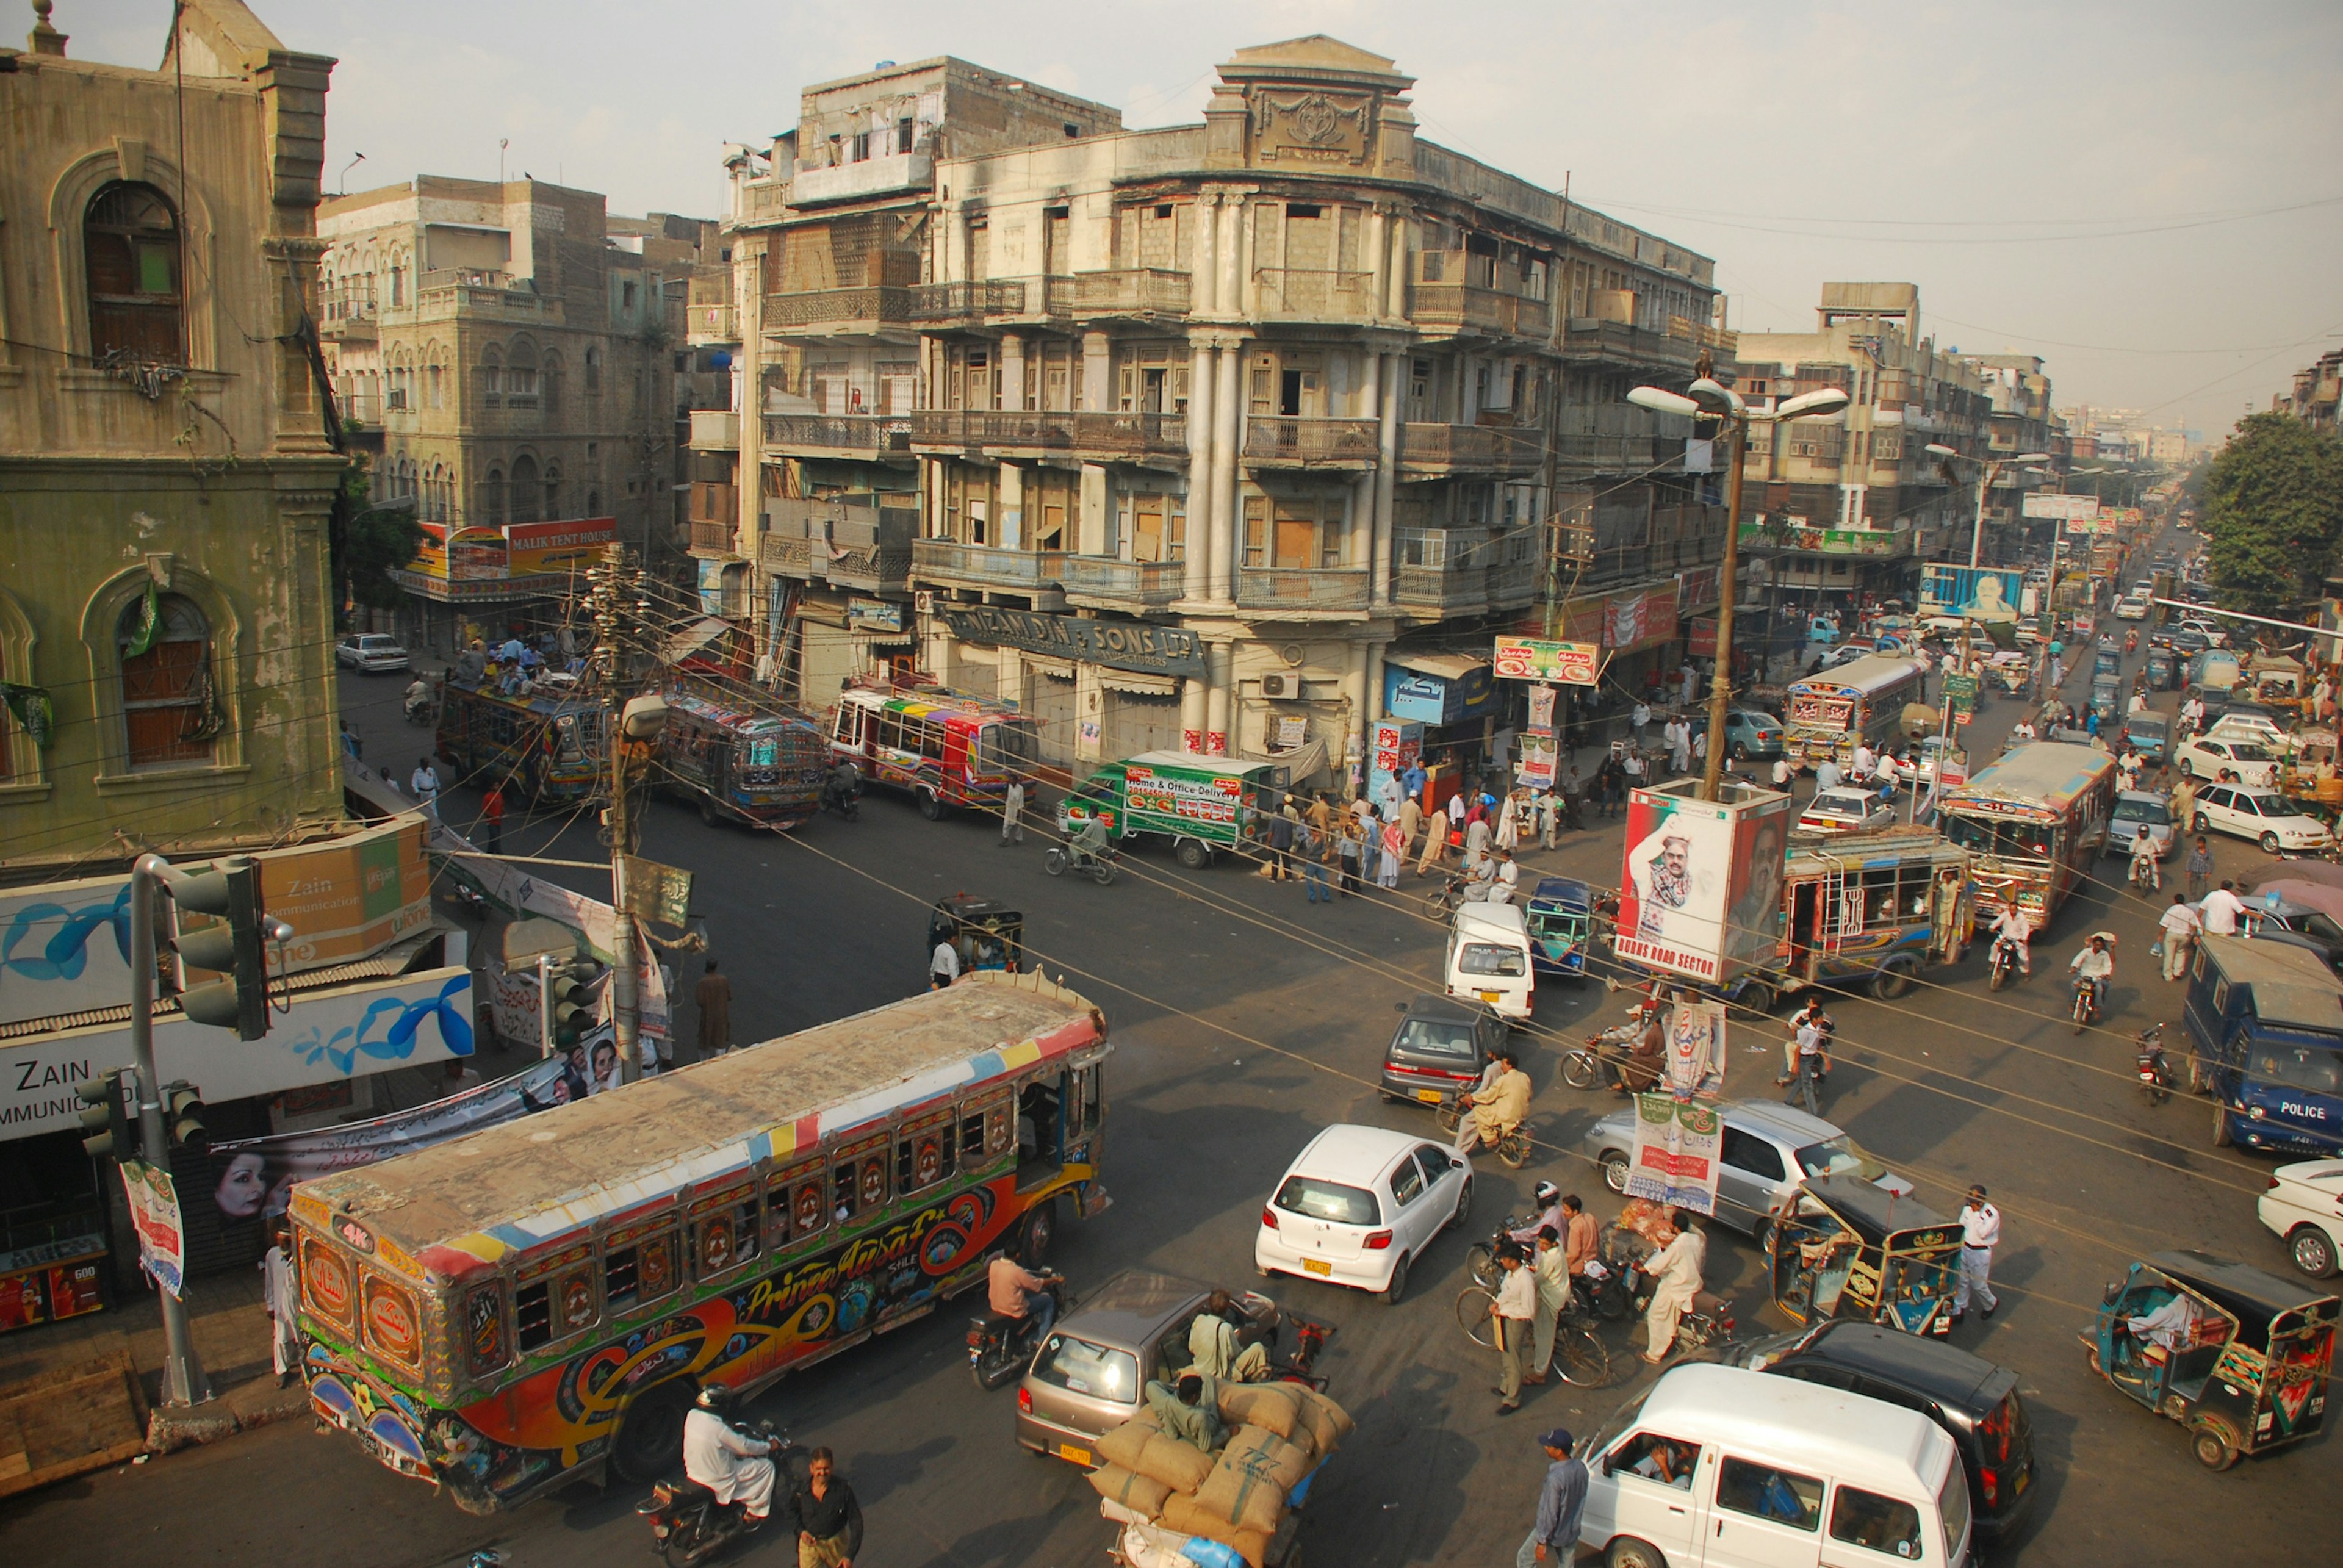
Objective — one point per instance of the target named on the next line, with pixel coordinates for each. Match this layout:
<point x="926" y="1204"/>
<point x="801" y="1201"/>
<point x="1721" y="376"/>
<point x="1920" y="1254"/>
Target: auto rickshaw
<point x="2106" y="661"/>
<point x="987" y="933"/>
<point x="2161" y="668"/>
<point x="1846" y="1247"/>
<point x="2239" y="1357"/>
<point x="1560" y="919"/>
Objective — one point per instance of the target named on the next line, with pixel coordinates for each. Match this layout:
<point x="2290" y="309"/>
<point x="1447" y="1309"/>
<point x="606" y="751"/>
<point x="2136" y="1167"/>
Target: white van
<point x="1737" y="1469"/>
<point x="1489" y="958"/>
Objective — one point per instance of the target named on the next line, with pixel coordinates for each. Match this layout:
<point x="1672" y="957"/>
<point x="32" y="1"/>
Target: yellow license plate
<point x="1312" y="1266"/>
<point x="1493" y="996"/>
<point x="1429" y="1096"/>
<point x="2023" y="1477"/>
<point x="1079" y="1456"/>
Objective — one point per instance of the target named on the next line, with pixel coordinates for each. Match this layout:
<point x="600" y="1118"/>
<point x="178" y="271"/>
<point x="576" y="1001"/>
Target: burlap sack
<point x="1248" y="1487"/>
<point x="1173" y="1462"/>
<point x="1272" y="1406"/>
<point x="1121" y="1445"/>
<point x="1183" y="1515"/>
<point x="1133" y="1490"/>
<point x="1322" y="1422"/>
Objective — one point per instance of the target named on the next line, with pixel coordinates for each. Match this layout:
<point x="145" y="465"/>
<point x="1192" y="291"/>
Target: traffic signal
<point x="110" y="1130"/>
<point x="569" y="1009"/>
<point x="183" y="1117"/>
<point x="234" y="948"/>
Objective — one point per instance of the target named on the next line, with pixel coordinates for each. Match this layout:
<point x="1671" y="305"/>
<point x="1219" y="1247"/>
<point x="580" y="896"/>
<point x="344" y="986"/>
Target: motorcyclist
<point x="1499" y="879"/>
<point x="2095" y="966"/>
<point x="1496" y="1108"/>
<point x="2144" y="870"/>
<point x="1548" y="1199"/>
<point x="418" y="696"/>
<point x="1089" y="842"/>
<point x="843" y="785"/>
<point x="725" y="1459"/>
<point x="2014" y="926"/>
<point x="1015" y="1292"/>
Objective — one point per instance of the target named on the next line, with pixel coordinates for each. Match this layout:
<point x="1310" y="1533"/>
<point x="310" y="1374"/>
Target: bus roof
<point x="742" y="718"/>
<point x="1859" y="676"/>
<point x="473" y="1199"/>
<point x="922" y="701"/>
<point x="1880" y="847"/>
<point x="2049" y="773"/>
<point x="563" y="699"/>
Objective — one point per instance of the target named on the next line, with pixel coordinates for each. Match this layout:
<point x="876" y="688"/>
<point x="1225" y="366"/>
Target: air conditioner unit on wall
<point x="923" y="602"/>
<point x="1281" y="686"/>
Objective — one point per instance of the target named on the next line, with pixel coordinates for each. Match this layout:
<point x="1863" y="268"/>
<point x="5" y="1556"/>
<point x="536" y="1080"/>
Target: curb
<point x="167" y="1430"/>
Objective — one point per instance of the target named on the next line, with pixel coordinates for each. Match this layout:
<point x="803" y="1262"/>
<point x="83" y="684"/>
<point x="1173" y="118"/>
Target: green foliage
<point x="2274" y="509"/>
<point x="369" y="544"/>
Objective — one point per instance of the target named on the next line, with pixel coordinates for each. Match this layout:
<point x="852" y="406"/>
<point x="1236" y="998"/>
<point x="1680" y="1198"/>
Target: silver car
<point x="370" y="651"/>
<point x="2135" y="809"/>
<point x="1768" y="1149"/>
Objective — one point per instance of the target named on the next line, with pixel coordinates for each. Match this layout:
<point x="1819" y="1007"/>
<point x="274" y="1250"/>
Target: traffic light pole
<point x="183" y="1382"/>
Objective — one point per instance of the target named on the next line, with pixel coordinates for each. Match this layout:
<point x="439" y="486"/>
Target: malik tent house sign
<point x="1700" y="894"/>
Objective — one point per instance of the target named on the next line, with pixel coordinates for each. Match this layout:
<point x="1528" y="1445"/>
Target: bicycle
<point x="1579" y="1358"/>
<point x="1513" y="1148"/>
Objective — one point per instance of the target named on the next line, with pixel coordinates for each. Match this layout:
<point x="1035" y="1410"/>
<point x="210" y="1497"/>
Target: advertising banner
<point x="1541" y="706"/>
<point x="1176" y="797"/>
<point x="1971" y="592"/>
<point x="535" y="548"/>
<point x="1393" y="746"/>
<point x="477" y="555"/>
<point x="431" y="555"/>
<point x="1674" y="1160"/>
<point x="254" y="1178"/>
<point x="1700" y="893"/>
<point x="1533" y="658"/>
<point x="2072" y="508"/>
<point x="1541" y="759"/>
<point x="1696" y="1064"/>
<point x="155" y="1216"/>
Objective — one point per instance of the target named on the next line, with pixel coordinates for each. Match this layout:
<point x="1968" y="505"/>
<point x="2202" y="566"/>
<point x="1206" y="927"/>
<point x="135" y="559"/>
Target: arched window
<point x="492" y="498"/>
<point x="552" y="491"/>
<point x="593" y="372"/>
<point x="436" y="499"/>
<point x="521" y="375"/>
<point x="548" y="386"/>
<point x="431" y="393"/>
<point x="131" y="239"/>
<point x="492" y="372"/>
<point x="593" y="502"/>
<point x="526" y="494"/>
<point x="398" y="280"/>
<point x="167" y="687"/>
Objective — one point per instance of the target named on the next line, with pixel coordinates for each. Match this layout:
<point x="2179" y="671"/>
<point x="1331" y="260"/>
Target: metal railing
<point x="1147" y="583"/>
<point x="934" y="304"/>
<point x="1132" y="291"/>
<point x="876" y="305"/>
<point x="1314" y="294"/>
<point x="1477" y="446"/>
<point x="1301" y="587"/>
<point x="1284" y="439"/>
<point x="872" y="433"/>
<point x="1120" y="435"/>
<point x="1465" y="304"/>
<point x="716" y="538"/>
<point x="876" y="568"/>
<point x="985" y="566"/>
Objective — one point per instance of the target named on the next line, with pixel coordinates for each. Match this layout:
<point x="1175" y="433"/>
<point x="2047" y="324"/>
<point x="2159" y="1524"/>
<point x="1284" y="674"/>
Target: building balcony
<point x="1130" y="293"/>
<point x="847" y="542"/>
<point x="1588" y="341"/>
<point x="948" y="563"/>
<point x="1288" y="441"/>
<point x="1126" y="436"/>
<point x="1578" y="456"/>
<point x="882" y="176"/>
<point x="1428" y="450"/>
<point x="875" y="308"/>
<point x="837" y="434"/>
<point x="715" y="430"/>
<point x="1102" y="583"/>
<point x="1783" y="538"/>
<point x="1459" y="308"/>
<point x="962" y="304"/>
<point x="1455" y="571"/>
<point x="1303" y="589"/>
<point x="706" y="324"/>
<point x="1314" y="294"/>
<point x="710" y="538"/>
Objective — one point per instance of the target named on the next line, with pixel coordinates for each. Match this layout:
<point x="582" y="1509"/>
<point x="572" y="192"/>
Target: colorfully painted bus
<point x="739" y="765"/>
<point x="1862" y="700"/>
<point x="539" y="1301"/>
<point x="948" y="750"/>
<point x="2031" y="821"/>
<point x="546" y="744"/>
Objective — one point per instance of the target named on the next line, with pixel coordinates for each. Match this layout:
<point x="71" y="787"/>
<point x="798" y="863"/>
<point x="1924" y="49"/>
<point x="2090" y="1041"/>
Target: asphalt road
<point x="1246" y="1020"/>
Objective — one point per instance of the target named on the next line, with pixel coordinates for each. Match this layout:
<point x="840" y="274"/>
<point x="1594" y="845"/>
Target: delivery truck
<point x="1200" y="804"/>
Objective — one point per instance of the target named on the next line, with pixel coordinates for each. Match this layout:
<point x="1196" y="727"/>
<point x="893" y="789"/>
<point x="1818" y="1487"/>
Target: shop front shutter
<point x="1131" y="723"/>
<point x="1049" y="698"/>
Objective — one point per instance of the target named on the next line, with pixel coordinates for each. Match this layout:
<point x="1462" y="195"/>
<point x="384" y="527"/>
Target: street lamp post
<point x="1711" y="398"/>
<point x="1989" y="470"/>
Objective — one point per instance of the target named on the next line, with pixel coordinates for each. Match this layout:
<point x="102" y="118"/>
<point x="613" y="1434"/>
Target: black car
<point x="1438" y="1049"/>
<point x="1975" y="1401"/>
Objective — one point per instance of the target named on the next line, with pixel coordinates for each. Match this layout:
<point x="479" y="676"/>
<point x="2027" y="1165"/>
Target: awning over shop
<point x="1137" y="683"/>
<point x="1307" y="762"/>
<point x="695" y="638"/>
<point x="1447" y="666"/>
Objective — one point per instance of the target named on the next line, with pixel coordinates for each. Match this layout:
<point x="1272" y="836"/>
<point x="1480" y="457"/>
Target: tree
<point x="370" y="542"/>
<point x="2274" y="509"/>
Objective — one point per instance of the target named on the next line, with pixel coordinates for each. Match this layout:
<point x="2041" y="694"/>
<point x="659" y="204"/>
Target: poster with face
<point x="1697" y="890"/>
<point x="1695" y="1056"/>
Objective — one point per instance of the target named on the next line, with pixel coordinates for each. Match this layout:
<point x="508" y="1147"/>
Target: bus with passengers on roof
<point x="2032" y="820"/>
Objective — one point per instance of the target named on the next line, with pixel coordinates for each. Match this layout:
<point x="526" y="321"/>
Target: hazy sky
<point x="2099" y="183"/>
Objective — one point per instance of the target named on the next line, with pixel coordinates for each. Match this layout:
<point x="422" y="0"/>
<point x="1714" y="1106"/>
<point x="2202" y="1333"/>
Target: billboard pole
<point x="183" y="1382"/>
<point x="1720" y="687"/>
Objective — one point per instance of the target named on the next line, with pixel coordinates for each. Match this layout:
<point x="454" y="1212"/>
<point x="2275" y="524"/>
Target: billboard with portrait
<point x="1700" y="891"/>
<point x="1973" y="593"/>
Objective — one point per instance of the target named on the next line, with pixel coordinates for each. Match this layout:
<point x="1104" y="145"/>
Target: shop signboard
<point x="1534" y="659"/>
<point x="54" y="1279"/>
<point x="1700" y="891"/>
<point x="1393" y="745"/>
<point x="532" y="548"/>
<point x="477" y="555"/>
<point x="155" y="1217"/>
<point x="1431" y="698"/>
<point x="1117" y="644"/>
<point x="2071" y="509"/>
<point x="1678" y="1144"/>
<point x="873" y="615"/>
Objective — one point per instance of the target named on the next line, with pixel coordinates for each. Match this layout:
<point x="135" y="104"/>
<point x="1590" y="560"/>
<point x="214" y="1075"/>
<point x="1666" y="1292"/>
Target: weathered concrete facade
<point x="165" y="474"/>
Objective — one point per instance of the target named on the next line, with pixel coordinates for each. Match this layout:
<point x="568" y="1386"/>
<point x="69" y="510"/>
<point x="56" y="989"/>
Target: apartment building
<point x="1280" y="406"/>
<point x="1849" y="507"/>
<point x="507" y="355"/>
<point x="2317" y="392"/>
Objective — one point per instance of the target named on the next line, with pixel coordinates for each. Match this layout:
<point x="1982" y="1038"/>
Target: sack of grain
<point x="1174" y="1463"/>
<point x="1186" y="1515"/>
<point x="1248" y="1486"/>
<point x="1272" y="1406"/>
<point x="1319" y="1420"/>
<point x="1121" y="1444"/>
<point x="1143" y="1495"/>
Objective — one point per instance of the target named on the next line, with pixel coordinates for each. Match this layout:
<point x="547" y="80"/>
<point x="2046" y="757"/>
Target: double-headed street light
<point x="1989" y="470"/>
<point x="1710" y="398"/>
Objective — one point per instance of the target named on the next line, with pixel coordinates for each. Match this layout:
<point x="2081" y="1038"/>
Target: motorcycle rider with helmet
<point x="1548" y="1198"/>
<point x="727" y="1462"/>
<point x="2146" y="873"/>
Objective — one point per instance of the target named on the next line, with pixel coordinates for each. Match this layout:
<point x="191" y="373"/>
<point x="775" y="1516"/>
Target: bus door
<point x="1042" y="1128"/>
<point x="850" y="732"/>
<point x="1805" y="926"/>
<point x="958" y="742"/>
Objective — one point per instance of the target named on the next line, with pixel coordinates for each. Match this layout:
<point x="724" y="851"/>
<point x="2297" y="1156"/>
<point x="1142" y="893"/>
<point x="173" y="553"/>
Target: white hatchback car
<point x="2206" y="754"/>
<point x="2265" y="816"/>
<point x="1843" y="809"/>
<point x="1359" y="1205"/>
<point x="2304" y="1205"/>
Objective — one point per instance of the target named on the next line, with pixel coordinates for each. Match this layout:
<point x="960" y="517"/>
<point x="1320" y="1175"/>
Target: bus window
<point x="923" y="1157"/>
<point x="794" y="1206"/>
<point x="1093" y="1096"/>
<point x="643" y="1270"/>
<point x="842" y="1190"/>
<point x="1006" y="748"/>
<point x="726" y="1238"/>
<point x="1038" y="1130"/>
<point x="971" y="1135"/>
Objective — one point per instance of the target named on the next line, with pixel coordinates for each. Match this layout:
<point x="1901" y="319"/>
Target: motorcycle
<point x="689" y="1526"/>
<point x="1582" y="1066"/>
<point x="998" y="1344"/>
<point x="846" y="800"/>
<point x="2087" y="1002"/>
<point x="1100" y="866"/>
<point x="1513" y="1148"/>
<point x="2156" y="1079"/>
<point x="2003" y="963"/>
<point x="419" y="710"/>
<point x="2146" y="875"/>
